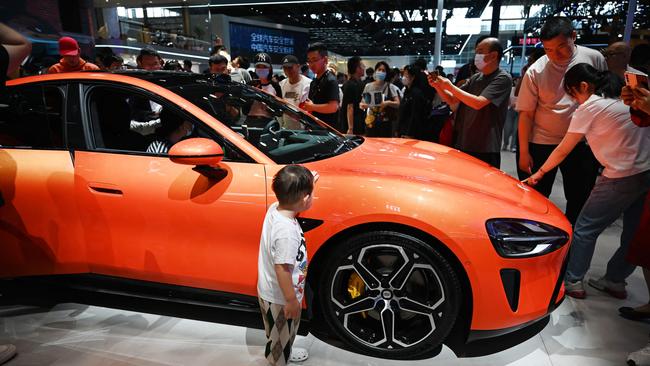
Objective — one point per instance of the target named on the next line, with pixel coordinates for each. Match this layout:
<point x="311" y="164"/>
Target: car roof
<point x="162" y="83"/>
<point x="170" y="79"/>
<point x="166" y="79"/>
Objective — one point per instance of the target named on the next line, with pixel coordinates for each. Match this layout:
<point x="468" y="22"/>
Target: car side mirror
<point x="196" y="151"/>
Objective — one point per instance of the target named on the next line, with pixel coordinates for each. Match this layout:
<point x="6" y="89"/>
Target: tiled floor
<point x="587" y="332"/>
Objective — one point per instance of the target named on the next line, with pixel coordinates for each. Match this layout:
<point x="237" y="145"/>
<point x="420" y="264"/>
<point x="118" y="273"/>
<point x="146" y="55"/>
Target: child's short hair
<point x="292" y="183"/>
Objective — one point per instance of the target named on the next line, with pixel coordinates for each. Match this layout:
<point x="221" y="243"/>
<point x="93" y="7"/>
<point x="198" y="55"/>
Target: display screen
<point x="248" y="40"/>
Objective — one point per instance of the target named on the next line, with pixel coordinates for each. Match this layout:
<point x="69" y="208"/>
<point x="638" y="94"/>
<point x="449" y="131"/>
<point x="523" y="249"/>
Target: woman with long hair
<point x="415" y="107"/>
<point x="624" y="150"/>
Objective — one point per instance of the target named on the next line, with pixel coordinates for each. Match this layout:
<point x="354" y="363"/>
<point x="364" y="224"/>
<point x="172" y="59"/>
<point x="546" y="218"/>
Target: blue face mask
<point x="310" y="74"/>
<point x="262" y="73"/>
<point x="380" y="75"/>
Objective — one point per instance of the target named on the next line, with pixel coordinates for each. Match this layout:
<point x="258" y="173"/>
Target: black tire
<point x="402" y="278"/>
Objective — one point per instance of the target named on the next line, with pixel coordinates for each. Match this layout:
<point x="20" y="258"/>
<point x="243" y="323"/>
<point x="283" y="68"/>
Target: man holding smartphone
<point x="481" y="104"/>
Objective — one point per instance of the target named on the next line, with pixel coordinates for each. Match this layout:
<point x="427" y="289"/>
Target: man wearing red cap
<point x="70" y="59"/>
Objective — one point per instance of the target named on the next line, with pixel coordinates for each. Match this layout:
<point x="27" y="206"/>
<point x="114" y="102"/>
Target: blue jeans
<point x="609" y="198"/>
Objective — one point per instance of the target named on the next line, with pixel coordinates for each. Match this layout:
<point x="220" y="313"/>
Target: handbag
<point x="389" y="113"/>
<point x="447" y="132"/>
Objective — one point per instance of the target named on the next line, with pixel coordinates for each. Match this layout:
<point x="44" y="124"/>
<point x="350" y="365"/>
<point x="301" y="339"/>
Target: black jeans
<point x="579" y="171"/>
<point x="493" y="159"/>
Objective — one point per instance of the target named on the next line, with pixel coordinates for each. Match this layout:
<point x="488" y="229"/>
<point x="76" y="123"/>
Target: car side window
<point x="126" y="120"/>
<point x="31" y="117"/>
<point x="110" y="117"/>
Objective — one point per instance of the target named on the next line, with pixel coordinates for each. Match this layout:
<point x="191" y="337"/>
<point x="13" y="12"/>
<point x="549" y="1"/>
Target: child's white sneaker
<point x="640" y="357"/>
<point x="298" y="354"/>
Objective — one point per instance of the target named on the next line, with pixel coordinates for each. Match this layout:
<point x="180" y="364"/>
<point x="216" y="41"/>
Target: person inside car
<point x="172" y="129"/>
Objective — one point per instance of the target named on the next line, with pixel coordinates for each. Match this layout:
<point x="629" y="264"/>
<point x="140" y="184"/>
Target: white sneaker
<point x="7" y="352"/>
<point x="298" y="354"/>
<point x="640" y="357"/>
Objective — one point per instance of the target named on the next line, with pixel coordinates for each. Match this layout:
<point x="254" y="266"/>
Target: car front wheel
<point x="389" y="295"/>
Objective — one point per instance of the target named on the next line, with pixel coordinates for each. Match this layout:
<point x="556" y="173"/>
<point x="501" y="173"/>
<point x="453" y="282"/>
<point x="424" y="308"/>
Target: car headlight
<point x="521" y="238"/>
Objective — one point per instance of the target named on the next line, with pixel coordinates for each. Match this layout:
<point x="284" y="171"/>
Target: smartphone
<point x="366" y="98"/>
<point x="433" y="75"/>
<point x="379" y="97"/>
<point x="634" y="80"/>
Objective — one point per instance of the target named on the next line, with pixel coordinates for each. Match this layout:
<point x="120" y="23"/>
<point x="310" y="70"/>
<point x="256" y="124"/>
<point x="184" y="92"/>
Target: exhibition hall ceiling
<point x="407" y="27"/>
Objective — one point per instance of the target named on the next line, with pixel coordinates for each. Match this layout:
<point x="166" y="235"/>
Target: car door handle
<point x="105" y="188"/>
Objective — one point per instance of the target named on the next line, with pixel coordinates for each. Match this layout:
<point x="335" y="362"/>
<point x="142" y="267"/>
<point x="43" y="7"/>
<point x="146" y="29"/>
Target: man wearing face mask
<point x="323" y="101"/>
<point x="545" y="111"/>
<point x="481" y="104"/>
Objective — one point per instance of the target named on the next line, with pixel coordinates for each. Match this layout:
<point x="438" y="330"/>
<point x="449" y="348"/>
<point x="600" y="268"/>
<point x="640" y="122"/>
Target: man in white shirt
<point x="545" y="111"/>
<point x="295" y="88"/>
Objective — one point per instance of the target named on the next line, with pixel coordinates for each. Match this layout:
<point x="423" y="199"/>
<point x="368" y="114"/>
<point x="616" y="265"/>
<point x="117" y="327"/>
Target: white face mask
<point x="479" y="61"/>
<point x="406" y="81"/>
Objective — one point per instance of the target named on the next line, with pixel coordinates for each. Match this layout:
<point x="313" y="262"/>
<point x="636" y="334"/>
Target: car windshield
<point x="278" y="129"/>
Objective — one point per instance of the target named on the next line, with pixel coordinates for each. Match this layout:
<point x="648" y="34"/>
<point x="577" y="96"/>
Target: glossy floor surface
<point x="581" y="332"/>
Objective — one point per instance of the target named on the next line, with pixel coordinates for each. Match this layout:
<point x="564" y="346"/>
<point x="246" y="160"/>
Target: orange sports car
<point x="157" y="183"/>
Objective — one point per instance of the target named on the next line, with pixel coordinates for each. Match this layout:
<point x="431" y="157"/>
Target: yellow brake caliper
<point x="356" y="288"/>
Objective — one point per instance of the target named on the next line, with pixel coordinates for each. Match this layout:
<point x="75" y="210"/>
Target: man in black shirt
<point x="351" y="115"/>
<point x="323" y="101"/>
<point x="13" y="50"/>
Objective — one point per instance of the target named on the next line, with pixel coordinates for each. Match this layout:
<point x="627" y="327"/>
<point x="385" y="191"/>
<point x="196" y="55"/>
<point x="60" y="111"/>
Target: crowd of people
<point x="570" y="110"/>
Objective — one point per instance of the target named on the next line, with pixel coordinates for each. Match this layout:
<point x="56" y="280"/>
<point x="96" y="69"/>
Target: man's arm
<point x="330" y="107"/>
<point x="473" y="101"/>
<point x="448" y="98"/>
<point x="350" y="114"/>
<point x="526" y="105"/>
<point x="524" y="128"/>
<point x="331" y="94"/>
<point x="18" y="47"/>
<point x="445" y="95"/>
<point x="570" y="140"/>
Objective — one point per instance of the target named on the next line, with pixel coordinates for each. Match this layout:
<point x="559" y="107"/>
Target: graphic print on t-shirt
<point x="291" y="94"/>
<point x="300" y="271"/>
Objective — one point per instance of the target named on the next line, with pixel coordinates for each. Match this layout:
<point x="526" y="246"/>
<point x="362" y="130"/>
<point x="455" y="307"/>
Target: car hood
<point x="428" y="163"/>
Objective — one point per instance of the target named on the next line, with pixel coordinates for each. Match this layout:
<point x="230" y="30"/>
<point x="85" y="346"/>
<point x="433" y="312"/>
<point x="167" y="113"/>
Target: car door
<point x="148" y="218"/>
<point x="39" y="223"/>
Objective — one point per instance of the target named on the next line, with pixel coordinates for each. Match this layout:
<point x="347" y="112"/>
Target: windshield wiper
<point x="351" y="142"/>
<point x="316" y="156"/>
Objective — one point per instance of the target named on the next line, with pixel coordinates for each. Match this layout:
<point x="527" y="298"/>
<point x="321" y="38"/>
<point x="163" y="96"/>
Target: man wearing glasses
<point x="323" y="101"/>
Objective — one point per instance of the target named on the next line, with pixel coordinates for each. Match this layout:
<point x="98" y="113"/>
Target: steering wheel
<point x="272" y="127"/>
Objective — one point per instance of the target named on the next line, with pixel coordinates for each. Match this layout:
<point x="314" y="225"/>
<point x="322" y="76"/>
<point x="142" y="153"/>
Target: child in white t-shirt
<point x="623" y="149"/>
<point x="282" y="264"/>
